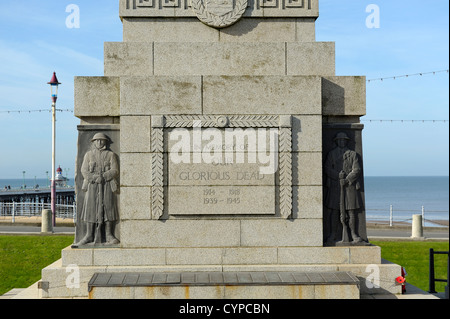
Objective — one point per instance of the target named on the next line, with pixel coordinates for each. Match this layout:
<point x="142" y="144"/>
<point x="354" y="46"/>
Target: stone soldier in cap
<point x="100" y="170"/>
<point x="343" y="170"/>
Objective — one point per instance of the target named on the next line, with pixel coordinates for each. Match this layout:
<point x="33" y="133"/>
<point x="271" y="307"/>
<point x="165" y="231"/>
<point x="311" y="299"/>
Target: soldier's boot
<point x="89" y="237"/>
<point x="110" y="238"/>
<point x="352" y="224"/>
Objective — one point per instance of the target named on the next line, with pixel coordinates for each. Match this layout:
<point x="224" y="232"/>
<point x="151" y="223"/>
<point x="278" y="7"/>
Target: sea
<point x="407" y="196"/>
<point x="29" y="183"/>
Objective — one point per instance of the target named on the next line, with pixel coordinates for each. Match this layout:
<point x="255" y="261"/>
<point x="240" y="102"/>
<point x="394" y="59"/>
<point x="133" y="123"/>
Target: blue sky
<point x="412" y="38"/>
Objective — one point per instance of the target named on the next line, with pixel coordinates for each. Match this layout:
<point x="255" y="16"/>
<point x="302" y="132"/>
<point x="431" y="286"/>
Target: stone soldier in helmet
<point x="100" y="170"/>
<point x="343" y="170"/>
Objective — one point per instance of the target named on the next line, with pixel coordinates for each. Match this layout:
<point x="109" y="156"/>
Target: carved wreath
<point x="216" y="21"/>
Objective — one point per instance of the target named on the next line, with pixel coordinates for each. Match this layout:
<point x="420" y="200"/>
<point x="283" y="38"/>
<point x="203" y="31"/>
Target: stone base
<point x="350" y="243"/>
<point x="69" y="276"/>
<point x="224" y="285"/>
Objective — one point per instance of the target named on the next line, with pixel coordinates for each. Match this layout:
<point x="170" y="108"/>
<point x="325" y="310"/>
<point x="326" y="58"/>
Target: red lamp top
<point x="54" y="80"/>
<point x="54" y="86"/>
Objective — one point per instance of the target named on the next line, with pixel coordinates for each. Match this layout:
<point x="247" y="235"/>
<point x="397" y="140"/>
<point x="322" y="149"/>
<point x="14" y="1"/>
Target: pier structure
<point x="38" y="197"/>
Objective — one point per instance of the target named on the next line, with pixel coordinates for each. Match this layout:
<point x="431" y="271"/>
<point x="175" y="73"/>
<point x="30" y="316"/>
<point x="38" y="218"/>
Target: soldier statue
<point x="343" y="202"/>
<point x="100" y="170"/>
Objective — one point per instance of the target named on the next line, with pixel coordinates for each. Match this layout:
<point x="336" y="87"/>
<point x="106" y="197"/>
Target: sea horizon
<point x="406" y="196"/>
<point x="71" y="177"/>
<point x="17" y="183"/>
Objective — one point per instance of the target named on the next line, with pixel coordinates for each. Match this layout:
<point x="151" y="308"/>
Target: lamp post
<point x="67" y="177"/>
<point x="54" y="91"/>
<point x="23" y="174"/>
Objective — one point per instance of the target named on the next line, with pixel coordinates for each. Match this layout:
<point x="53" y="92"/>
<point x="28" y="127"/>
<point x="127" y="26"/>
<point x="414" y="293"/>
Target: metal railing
<point x="391" y="215"/>
<point x="433" y="279"/>
<point x="19" y="209"/>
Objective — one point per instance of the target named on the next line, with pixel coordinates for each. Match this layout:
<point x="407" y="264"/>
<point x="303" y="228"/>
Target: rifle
<point x="100" y="209"/>
<point x="342" y="208"/>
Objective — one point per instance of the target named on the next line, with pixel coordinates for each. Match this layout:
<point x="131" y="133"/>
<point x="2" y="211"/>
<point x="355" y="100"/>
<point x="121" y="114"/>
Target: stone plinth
<point x="363" y="262"/>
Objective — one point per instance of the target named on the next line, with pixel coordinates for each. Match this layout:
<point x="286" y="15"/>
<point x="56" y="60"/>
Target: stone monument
<point x="220" y="150"/>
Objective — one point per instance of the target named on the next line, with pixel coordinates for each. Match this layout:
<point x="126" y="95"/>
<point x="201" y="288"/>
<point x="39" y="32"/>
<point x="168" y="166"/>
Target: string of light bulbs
<point x="370" y="80"/>
<point x="363" y="120"/>
<point x="407" y="75"/>
<point x="36" y="111"/>
<point x="406" y="121"/>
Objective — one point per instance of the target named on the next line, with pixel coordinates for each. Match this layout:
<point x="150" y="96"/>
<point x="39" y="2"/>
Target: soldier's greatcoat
<point x="100" y="203"/>
<point x="343" y="159"/>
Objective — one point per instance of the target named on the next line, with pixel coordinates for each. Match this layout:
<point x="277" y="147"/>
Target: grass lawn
<point x="23" y="257"/>
<point x="414" y="257"/>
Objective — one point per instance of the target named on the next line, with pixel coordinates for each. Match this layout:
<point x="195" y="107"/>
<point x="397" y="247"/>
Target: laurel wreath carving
<point x="254" y="121"/>
<point x="157" y="140"/>
<point x="157" y="146"/>
<point x="285" y="170"/>
<point x="217" y="121"/>
<point x="216" y="21"/>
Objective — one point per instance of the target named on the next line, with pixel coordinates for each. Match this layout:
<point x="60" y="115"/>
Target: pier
<point x="64" y="196"/>
<point x="31" y="202"/>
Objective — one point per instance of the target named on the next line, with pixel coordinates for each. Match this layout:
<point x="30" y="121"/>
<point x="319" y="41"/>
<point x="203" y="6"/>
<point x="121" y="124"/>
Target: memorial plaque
<point x="221" y="165"/>
<point x="218" y="171"/>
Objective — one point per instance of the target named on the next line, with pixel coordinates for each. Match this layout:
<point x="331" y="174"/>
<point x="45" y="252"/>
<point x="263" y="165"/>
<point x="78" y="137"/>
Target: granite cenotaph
<point x="220" y="156"/>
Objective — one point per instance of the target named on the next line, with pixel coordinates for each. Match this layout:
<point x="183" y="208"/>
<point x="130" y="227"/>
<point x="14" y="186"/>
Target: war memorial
<point x="220" y="157"/>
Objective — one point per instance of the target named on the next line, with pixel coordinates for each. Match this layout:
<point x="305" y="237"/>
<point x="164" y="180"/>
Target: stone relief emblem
<point x="219" y="13"/>
<point x="343" y="200"/>
<point x="100" y="213"/>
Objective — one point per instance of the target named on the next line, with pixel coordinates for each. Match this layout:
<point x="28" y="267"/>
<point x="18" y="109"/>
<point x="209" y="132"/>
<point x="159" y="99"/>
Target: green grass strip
<point x="23" y="257"/>
<point x="414" y="257"/>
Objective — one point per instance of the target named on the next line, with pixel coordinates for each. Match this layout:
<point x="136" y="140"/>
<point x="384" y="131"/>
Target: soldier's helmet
<point x="341" y="136"/>
<point x="100" y="136"/>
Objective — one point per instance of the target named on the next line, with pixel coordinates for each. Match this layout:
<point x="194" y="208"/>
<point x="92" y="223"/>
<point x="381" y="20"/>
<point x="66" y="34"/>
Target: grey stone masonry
<point x="194" y="212"/>
<point x="219" y="58"/>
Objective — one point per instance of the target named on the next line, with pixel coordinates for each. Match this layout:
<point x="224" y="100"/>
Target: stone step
<point x="221" y="256"/>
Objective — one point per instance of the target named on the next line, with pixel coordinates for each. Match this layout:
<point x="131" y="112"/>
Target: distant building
<point x="60" y="180"/>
